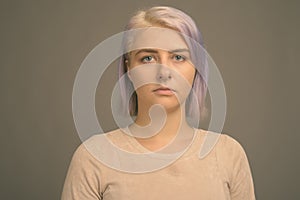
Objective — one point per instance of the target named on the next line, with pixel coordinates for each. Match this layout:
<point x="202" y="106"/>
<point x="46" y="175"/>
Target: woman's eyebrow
<point x="155" y="51"/>
<point x="146" y="50"/>
<point x="179" y="50"/>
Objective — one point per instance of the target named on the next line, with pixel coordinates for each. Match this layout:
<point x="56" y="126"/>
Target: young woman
<point x="167" y="72"/>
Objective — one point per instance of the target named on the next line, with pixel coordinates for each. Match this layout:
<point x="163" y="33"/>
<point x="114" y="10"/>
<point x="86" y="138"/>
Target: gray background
<point x="254" y="43"/>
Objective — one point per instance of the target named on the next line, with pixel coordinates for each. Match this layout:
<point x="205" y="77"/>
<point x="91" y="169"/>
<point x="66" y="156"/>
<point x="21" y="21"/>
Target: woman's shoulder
<point x="227" y="142"/>
<point x="229" y="152"/>
<point x="99" y="138"/>
<point x="96" y="153"/>
<point x="224" y="146"/>
<point x="220" y="140"/>
<point x="231" y="147"/>
<point x="95" y="142"/>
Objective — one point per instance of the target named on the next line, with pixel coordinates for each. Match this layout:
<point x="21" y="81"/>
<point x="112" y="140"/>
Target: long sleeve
<point x="235" y="164"/>
<point x="83" y="177"/>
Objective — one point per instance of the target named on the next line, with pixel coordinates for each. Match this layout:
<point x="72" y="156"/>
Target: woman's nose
<point x="164" y="72"/>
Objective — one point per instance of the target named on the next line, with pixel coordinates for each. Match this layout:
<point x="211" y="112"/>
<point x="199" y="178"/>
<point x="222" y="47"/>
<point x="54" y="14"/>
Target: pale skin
<point x="176" y="60"/>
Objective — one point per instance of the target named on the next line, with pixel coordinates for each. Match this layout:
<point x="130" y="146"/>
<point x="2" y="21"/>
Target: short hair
<point x="171" y="18"/>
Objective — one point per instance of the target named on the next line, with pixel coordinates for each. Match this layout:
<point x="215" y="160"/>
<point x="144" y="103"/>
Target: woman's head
<point x="174" y="19"/>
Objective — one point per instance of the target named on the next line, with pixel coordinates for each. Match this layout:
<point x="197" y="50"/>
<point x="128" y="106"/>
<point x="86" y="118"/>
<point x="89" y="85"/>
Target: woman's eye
<point x="147" y="59"/>
<point x="179" y="58"/>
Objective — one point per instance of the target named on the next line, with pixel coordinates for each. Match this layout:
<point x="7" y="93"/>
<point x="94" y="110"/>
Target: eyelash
<point x="181" y="59"/>
<point x="145" y="57"/>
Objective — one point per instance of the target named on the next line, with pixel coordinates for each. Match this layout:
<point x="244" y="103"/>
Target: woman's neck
<point x="156" y="134"/>
<point x="158" y="125"/>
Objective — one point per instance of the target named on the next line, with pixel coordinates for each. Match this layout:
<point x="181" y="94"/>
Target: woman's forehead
<point x="157" y="38"/>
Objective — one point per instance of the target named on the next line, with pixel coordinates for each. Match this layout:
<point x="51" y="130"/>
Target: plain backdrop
<point x="255" y="44"/>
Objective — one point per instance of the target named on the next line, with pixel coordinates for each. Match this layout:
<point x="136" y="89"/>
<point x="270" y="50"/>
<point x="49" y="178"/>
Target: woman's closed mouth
<point x="164" y="91"/>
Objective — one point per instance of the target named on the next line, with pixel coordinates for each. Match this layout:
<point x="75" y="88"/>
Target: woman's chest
<point x="181" y="180"/>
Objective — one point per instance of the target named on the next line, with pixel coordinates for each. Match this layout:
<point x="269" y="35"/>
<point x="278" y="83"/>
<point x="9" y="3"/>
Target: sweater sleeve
<point x="235" y="164"/>
<point x="83" y="177"/>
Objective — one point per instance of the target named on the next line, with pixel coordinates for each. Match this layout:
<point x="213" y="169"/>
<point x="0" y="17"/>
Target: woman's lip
<point x="164" y="91"/>
<point x="164" y="88"/>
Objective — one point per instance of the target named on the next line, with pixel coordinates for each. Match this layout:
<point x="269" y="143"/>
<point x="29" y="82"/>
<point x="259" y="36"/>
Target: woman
<point x="167" y="72"/>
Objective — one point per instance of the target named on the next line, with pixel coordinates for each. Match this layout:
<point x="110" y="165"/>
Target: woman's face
<point x="160" y="68"/>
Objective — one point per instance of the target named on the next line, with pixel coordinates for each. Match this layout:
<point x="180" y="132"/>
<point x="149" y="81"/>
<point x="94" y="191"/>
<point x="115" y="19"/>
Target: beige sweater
<point x="223" y="174"/>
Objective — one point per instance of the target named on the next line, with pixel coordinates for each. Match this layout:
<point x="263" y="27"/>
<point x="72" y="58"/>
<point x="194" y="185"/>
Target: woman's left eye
<point x="179" y="58"/>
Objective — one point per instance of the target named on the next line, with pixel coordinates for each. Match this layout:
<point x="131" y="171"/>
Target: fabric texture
<point x="224" y="174"/>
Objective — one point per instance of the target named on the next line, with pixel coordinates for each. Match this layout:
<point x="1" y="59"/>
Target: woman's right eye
<point x="147" y="59"/>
